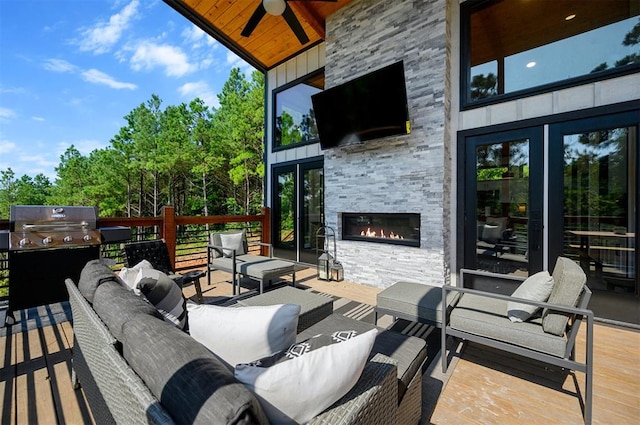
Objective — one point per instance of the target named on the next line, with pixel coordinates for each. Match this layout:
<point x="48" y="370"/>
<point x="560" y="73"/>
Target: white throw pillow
<point x="244" y="334"/>
<point x="165" y="295"/>
<point x="129" y="275"/>
<point x="537" y="287"/>
<point x="296" y="385"/>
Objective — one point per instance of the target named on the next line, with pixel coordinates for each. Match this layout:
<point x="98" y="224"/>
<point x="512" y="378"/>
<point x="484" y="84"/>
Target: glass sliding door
<point x="503" y="202"/>
<point x="298" y="209"/>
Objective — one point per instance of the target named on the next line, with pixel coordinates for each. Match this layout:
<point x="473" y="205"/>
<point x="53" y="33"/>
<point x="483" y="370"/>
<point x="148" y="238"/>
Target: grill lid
<point x="37" y="226"/>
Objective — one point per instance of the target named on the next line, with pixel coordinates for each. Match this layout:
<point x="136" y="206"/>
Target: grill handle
<point x="55" y="226"/>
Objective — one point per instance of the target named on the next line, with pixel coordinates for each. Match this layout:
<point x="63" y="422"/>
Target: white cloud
<point x="59" y="65"/>
<point x="101" y="37"/>
<point x="199" y="89"/>
<point x="6" y="113"/>
<point x="85" y="147"/>
<point x="150" y="55"/>
<point x="38" y="119"/>
<point x="7" y="146"/>
<point x="195" y="36"/>
<point x="99" y="77"/>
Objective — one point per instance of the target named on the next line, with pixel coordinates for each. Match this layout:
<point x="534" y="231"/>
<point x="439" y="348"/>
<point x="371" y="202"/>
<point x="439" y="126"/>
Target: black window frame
<point x="274" y="94"/>
<point x="466" y="10"/>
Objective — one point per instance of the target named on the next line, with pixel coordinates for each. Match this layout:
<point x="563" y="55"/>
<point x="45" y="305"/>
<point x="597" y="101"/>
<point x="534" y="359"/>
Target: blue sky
<point x="71" y="70"/>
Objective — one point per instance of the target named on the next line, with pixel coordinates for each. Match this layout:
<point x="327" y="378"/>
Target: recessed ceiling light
<point x="531" y="64"/>
<point x="570" y="17"/>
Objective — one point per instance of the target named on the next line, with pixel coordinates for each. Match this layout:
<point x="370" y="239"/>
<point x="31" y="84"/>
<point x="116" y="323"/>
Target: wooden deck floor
<point x="483" y="387"/>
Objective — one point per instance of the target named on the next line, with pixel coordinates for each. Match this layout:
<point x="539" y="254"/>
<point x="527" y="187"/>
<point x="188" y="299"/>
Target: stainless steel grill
<point x="46" y="245"/>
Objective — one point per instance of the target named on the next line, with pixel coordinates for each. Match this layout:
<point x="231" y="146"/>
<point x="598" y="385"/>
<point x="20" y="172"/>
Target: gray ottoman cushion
<point x="93" y="275"/>
<point x="410" y="352"/>
<point x="116" y="305"/>
<point x="414" y="300"/>
<point x="260" y="267"/>
<point x="486" y="317"/>
<point x="191" y="383"/>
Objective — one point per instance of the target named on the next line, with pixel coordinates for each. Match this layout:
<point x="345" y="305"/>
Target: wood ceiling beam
<point x="306" y="12"/>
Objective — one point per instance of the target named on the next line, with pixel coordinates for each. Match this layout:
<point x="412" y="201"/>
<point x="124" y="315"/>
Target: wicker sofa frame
<point x="116" y="394"/>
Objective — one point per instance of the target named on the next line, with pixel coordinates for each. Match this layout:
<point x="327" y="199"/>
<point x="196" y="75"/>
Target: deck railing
<point x="186" y="237"/>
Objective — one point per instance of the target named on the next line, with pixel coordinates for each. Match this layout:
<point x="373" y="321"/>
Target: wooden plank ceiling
<point x="272" y="41"/>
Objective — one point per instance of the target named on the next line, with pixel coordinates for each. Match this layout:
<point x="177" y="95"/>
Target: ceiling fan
<point x="278" y="8"/>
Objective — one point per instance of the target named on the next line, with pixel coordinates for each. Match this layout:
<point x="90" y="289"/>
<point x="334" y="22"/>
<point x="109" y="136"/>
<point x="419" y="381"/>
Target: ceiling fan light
<point x="274" y="7"/>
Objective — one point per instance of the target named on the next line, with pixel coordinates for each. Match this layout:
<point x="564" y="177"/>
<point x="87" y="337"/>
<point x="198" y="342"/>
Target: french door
<point x="298" y="209"/>
<point x="503" y="202"/>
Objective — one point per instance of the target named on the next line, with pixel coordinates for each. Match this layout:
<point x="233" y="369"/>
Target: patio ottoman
<point x="413" y="301"/>
<point x="313" y="307"/>
<point x="409" y="352"/>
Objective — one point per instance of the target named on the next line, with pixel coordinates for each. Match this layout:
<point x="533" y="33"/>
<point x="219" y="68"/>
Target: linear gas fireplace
<point x="392" y="228"/>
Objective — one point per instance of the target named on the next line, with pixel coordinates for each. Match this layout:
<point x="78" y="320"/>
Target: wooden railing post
<point x="266" y="226"/>
<point x="168" y="232"/>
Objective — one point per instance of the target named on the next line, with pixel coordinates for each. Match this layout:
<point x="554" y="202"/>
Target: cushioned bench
<point x="412" y="301"/>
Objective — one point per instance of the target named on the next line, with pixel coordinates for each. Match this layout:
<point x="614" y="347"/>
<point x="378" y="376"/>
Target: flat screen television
<point x="368" y="107"/>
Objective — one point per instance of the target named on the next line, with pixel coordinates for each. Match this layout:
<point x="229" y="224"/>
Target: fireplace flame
<point x="373" y="234"/>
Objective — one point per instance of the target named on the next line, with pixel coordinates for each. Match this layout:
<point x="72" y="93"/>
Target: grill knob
<point x="67" y="239"/>
<point x="47" y="240"/>
<point x="25" y="241"/>
<point x="87" y="238"/>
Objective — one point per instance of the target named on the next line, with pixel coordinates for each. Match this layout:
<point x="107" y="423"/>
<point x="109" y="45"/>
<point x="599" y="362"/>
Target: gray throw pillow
<point x="536" y="287"/>
<point x="165" y="295"/>
<point x="232" y="241"/>
<point x="569" y="281"/>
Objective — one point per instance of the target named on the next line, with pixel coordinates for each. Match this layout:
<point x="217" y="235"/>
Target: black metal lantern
<point x="337" y="272"/>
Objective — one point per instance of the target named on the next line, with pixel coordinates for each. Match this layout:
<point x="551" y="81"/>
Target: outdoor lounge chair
<point x="481" y="317"/>
<point x="157" y="253"/>
<point x="229" y="252"/>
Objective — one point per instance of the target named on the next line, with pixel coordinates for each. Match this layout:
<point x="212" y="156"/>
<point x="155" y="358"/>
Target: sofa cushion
<point x="116" y="305"/>
<point x="408" y="351"/>
<point x="301" y="382"/>
<point x="486" y="317"/>
<point x="93" y="274"/>
<point x="165" y="295"/>
<point x="536" y="287"/>
<point x="244" y="334"/>
<point x="569" y="282"/>
<point x="192" y="384"/>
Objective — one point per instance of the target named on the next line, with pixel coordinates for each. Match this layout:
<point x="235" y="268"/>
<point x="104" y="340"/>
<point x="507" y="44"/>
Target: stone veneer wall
<point x="404" y="174"/>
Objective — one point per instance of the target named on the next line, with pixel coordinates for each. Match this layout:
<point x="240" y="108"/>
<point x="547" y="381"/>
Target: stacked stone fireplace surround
<point x="404" y="174"/>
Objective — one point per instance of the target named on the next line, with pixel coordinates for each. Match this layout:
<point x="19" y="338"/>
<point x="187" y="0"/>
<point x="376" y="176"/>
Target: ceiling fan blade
<point x="293" y="22"/>
<point x="254" y="20"/>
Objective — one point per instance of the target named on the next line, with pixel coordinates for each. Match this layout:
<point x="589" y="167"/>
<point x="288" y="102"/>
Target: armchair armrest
<point x="268" y="245"/>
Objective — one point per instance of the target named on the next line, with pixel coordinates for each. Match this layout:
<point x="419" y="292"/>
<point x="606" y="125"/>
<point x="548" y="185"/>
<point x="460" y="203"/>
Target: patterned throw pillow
<point x="165" y="295"/>
<point x="298" y="384"/>
<point x="129" y="275"/>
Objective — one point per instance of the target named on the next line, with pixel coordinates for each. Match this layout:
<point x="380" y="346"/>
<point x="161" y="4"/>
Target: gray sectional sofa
<point x="136" y="368"/>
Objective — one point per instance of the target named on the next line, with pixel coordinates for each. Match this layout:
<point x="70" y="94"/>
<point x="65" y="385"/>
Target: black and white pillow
<point x="297" y="384"/>
<point x="165" y="295"/>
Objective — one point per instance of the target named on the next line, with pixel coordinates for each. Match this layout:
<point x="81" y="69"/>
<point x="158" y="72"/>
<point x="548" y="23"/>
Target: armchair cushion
<point x="536" y="287"/>
<point x="486" y="317"/>
<point x="232" y="241"/>
<point x="244" y="334"/>
<point x="569" y="283"/>
<point x="299" y="383"/>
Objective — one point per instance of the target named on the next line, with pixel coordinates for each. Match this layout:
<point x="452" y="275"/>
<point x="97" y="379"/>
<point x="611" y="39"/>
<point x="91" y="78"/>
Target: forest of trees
<point x="201" y="160"/>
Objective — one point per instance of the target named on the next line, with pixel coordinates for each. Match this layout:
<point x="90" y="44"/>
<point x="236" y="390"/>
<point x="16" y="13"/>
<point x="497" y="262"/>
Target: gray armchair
<point x="229" y="252"/>
<point x="481" y="317"/>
